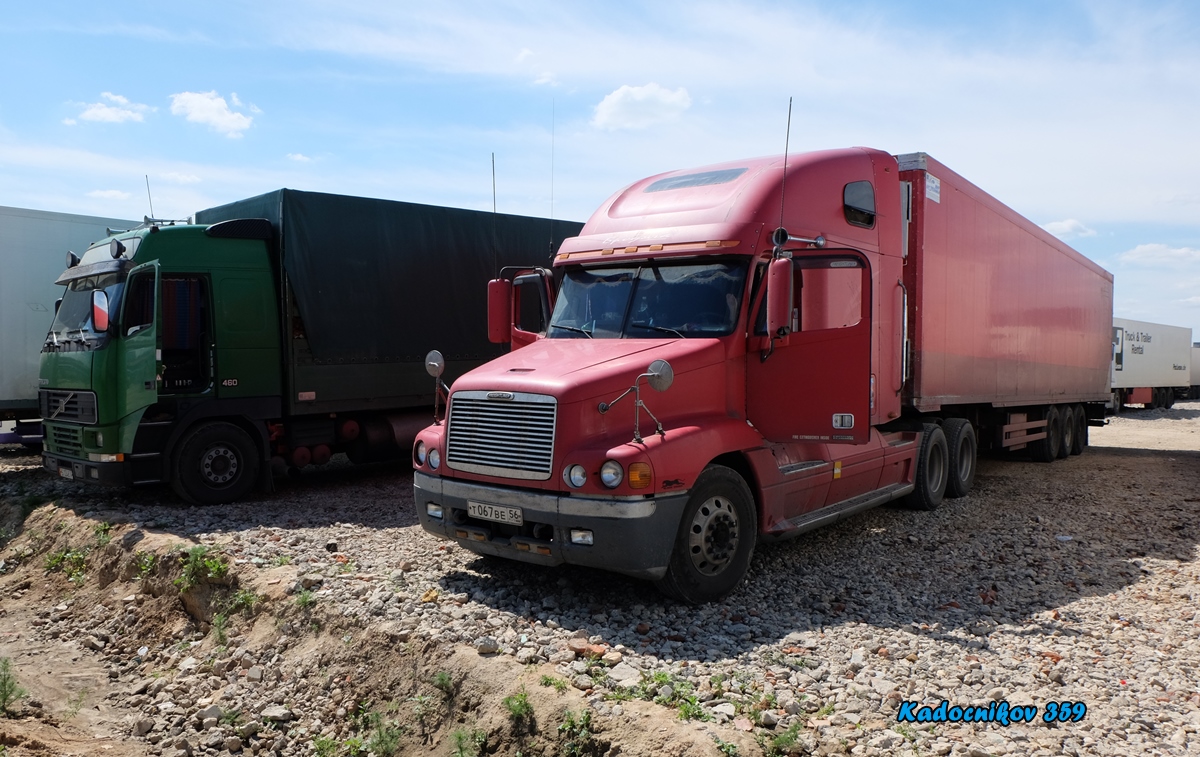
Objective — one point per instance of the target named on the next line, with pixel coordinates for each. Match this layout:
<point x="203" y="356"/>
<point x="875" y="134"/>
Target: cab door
<point x="138" y="352"/>
<point x="815" y="385"/>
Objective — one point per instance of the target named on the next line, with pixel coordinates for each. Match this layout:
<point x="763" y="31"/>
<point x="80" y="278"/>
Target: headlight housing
<point x="435" y="458"/>
<point x="419" y="453"/>
<point x="575" y="476"/>
<point x="611" y="474"/>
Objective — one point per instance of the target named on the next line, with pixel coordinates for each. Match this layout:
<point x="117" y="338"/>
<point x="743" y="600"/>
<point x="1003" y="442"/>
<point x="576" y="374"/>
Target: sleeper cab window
<point x="858" y="203"/>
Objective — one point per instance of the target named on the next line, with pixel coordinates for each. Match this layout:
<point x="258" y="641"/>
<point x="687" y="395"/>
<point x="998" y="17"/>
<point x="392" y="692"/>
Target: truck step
<point x="833" y="513"/>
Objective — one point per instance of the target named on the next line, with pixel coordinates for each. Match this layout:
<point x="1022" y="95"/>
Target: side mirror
<point x="660" y="375"/>
<point x="499" y="294"/>
<point x="57" y="305"/>
<point x="779" y="297"/>
<point x="100" y="311"/>
<point x="435" y="364"/>
<point x="72" y="259"/>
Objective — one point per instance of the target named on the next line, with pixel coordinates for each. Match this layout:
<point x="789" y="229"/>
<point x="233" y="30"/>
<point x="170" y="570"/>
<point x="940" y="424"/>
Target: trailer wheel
<point x="963" y="449"/>
<point x="215" y="463"/>
<point x="715" y="539"/>
<point x="1046" y="450"/>
<point x="933" y="470"/>
<point x="1081" y="431"/>
<point x="1069" y="428"/>
<point x="1170" y="398"/>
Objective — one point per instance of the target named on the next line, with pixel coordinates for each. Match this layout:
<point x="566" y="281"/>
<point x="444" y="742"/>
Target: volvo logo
<point x="500" y="395"/>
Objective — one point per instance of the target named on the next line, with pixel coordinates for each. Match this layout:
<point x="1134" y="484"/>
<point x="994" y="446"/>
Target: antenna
<point x="786" y="142"/>
<point x="550" y="245"/>
<point x="495" y="239"/>
<point x="148" y="197"/>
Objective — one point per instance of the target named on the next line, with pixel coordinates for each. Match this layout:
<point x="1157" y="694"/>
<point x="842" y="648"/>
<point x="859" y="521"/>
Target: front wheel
<point x="215" y="463"/>
<point x="715" y="539"/>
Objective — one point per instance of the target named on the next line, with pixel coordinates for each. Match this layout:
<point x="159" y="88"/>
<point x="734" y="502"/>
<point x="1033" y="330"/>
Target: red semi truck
<point x="819" y="334"/>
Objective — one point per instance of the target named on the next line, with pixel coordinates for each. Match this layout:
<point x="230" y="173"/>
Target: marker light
<point x="639" y="476"/>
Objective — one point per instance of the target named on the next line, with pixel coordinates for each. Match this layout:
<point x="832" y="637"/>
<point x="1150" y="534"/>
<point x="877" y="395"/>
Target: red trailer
<point x="820" y="335"/>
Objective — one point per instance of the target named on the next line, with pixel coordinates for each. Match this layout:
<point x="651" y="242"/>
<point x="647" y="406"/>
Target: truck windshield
<point x="72" y="329"/>
<point x="684" y="299"/>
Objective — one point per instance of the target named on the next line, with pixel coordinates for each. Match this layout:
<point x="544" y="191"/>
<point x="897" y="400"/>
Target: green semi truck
<point x="274" y="331"/>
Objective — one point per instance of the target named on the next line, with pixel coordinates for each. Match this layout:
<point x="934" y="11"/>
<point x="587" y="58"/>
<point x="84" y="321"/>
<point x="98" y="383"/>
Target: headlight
<point x="575" y="476"/>
<point x="420" y="453"/>
<point x="611" y="474"/>
<point x="435" y="458"/>
<point x="99" y="438"/>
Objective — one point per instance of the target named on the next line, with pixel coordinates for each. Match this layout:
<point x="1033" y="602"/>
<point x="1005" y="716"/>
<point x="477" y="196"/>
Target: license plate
<point x="495" y="513"/>
<point x="66" y="473"/>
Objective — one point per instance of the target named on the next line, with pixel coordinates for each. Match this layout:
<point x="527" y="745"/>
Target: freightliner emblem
<point x="500" y="395"/>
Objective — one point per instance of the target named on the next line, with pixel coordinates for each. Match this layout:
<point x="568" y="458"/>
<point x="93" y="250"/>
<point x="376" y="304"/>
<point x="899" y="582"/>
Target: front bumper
<point x="631" y="535"/>
<point x="108" y="474"/>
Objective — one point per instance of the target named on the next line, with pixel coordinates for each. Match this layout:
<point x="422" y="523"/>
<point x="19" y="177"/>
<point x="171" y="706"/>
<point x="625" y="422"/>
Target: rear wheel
<point x="715" y="539"/>
<point x="215" y="463"/>
<point x="933" y="470"/>
<point x="1081" y="431"/>
<point x="963" y="450"/>
<point x="1046" y="450"/>
<point x="1069" y="428"/>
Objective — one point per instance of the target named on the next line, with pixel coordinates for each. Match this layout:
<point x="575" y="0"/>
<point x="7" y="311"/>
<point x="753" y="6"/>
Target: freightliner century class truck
<point x="275" y="331"/>
<point x="1152" y="364"/>
<point x="817" y="339"/>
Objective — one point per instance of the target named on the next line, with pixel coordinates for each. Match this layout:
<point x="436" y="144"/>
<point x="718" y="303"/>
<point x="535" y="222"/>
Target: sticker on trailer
<point x="933" y="188"/>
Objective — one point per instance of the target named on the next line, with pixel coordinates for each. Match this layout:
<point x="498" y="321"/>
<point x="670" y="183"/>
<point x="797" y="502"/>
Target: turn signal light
<point x="639" y="476"/>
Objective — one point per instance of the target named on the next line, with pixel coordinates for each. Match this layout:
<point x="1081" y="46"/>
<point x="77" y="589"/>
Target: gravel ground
<point x="1074" y="582"/>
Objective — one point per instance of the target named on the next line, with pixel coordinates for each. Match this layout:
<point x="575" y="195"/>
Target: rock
<point x="143" y="726"/>
<point x="233" y="744"/>
<point x="487" y="645"/>
<point x="583" y="682"/>
<point x="625" y="675"/>
<point x="725" y="708"/>
<point x="254" y="673"/>
<point x="309" y="580"/>
<point x="212" y="711"/>
<point x="768" y="719"/>
<point x="93" y="643"/>
<point x="277" y="713"/>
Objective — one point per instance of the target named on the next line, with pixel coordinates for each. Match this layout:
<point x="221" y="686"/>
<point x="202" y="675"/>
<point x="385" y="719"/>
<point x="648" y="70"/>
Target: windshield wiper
<point x="588" y="334"/>
<point x="663" y="329"/>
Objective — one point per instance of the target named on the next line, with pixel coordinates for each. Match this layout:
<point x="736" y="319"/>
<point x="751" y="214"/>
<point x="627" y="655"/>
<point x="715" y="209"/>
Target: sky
<point x="1082" y="116"/>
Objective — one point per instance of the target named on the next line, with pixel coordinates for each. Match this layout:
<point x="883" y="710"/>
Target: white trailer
<point x="1194" y="394"/>
<point x="1151" y="363"/>
<point x="33" y="251"/>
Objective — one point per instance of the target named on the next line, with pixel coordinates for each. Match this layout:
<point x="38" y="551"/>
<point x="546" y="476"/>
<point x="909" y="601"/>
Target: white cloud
<point x="109" y="194"/>
<point x="1069" y="229"/>
<point x="525" y="53"/>
<point x="210" y="109"/>
<point x="181" y="178"/>
<point x="1154" y="254"/>
<point x="639" y="107"/>
<point x="298" y="157"/>
<point x="117" y="109"/>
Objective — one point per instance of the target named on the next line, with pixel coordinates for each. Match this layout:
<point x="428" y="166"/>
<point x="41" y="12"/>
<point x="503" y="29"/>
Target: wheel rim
<point x="713" y="536"/>
<point x="966" y="457"/>
<point x="219" y="465"/>
<point x="935" y="468"/>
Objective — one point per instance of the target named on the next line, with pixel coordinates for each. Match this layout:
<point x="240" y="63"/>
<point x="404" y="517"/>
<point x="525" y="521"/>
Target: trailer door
<point x="817" y="386"/>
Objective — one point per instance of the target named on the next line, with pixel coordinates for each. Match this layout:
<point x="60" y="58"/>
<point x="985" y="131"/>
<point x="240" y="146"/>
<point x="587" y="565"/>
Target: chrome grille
<point x="68" y="406"/>
<point x="509" y="435"/>
<point x="65" y="440"/>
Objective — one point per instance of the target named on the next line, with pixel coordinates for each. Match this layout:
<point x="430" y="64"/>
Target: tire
<point x="715" y="540"/>
<point x="216" y="463"/>
<point x="963" y="448"/>
<point x="1069" y="427"/>
<point x="1116" y="402"/>
<point x="1081" y="431"/>
<point x="933" y="470"/>
<point x="1170" y="398"/>
<point x="1046" y="450"/>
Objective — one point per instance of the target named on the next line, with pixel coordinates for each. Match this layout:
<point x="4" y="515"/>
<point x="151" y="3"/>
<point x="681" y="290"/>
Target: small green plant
<point x="907" y="731"/>
<point x="75" y="703"/>
<point x="469" y="743"/>
<point x="724" y="747"/>
<point x="324" y="746"/>
<point x="103" y="532"/>
<point x="72" y="562"/>
<point x="305" y="599"/>
<point x="145" y="562"/>
<point x="420" y="708"/>
<point x="825" y="711"/>
<point x="385" y="735"/>
<point x="782" y="743"/>
<point x="243" y="601"/>
<point x="619" y="694"/>
<point x="10" y="690"/>
<point x="577" y="730"/>
<point x="690" y="709"/>
<point x="199" y="565"/>
<point x="559" y="684"/>
<point x="219" y="622"/>
<point x="353" y="746"/>
<point x="518" y="706"/>
<point x="443" y="682"/>
<point x="281" y="560"/>
<point x="232" y="717"/>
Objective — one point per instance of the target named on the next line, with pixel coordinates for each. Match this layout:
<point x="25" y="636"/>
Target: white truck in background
<point x="1194" y="394"/>
<point x="1152" y="364"/>
<point x="33" y="250"/>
